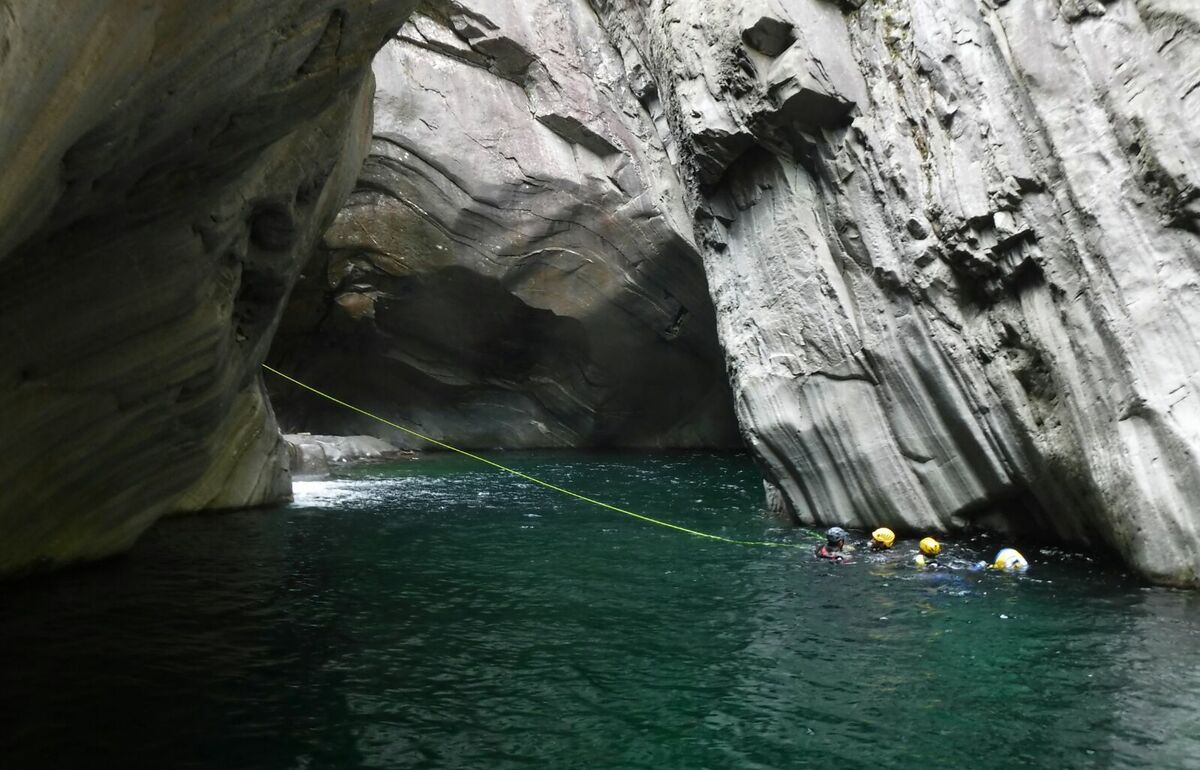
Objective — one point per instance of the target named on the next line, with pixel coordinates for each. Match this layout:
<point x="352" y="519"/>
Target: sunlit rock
<point x="315" y="456"/>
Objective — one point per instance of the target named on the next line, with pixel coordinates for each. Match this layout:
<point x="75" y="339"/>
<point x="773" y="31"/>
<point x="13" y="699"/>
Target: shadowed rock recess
<point x="953" y="248"/>
<point x="165" y="169"/>
<point x="512" y="270"/>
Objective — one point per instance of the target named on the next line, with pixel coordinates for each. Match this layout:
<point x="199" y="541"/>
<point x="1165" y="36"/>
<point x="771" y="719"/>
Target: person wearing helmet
<point x="1010" y="559"/>
<point x="882" y="539"/>
<point x="835" y="542"/>
<point x="930" y="548"/>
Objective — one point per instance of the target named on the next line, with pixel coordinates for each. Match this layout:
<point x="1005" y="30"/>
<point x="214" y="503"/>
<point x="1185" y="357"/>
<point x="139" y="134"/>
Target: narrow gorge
<point x="935" y="262"/>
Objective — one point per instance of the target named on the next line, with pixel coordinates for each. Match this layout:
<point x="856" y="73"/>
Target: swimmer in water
<point x="882" y="539"/>
<point x="1010" y="559"/>
<point x="835" y="542"/>
<point x="927" y="558"/>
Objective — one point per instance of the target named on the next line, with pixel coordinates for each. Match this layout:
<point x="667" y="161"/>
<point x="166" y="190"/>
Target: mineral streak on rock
<point x="512" y="270"/>
<point x="953" y="248"/>
<point x="165" y="168"/>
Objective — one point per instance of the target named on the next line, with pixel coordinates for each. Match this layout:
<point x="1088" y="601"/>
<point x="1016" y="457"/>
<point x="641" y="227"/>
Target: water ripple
<point x="430" y="615"/>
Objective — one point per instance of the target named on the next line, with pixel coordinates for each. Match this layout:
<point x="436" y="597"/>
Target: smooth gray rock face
<point x="515" y="268"/>
<point x="953" y="247"/>
<point x="165" y="168"/>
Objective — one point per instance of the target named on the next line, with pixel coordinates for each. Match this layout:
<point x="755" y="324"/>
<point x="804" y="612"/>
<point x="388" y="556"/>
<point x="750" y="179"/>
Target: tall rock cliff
<point x="515" y="267"/>
<point x="953" y="248"/>
<point x="165" y="169"/>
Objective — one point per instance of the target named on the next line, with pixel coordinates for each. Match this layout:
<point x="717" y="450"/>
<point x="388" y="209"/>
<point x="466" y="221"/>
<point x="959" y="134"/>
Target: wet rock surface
<point x="165" y="169"/>
<point x="515" y="267"/>
<point x="953" y="248"/>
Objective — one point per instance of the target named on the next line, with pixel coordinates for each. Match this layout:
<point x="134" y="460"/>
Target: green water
<point x="434" y="615"/>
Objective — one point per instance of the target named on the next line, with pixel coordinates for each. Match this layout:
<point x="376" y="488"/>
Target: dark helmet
<point x="836" y="535"/>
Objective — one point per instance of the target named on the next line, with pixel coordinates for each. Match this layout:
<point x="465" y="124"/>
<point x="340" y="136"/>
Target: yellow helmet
<point x="930" y="547"/>
<point x="1010" y="558"/>
<point x="884" y="536"/>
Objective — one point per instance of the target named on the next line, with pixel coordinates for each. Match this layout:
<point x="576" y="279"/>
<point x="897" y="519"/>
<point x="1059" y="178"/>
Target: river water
<point x="432" y="614"/>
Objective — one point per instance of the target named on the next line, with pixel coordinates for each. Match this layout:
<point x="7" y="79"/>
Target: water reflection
<point x="430" y="615"/>
<point x="1156" y="699"/>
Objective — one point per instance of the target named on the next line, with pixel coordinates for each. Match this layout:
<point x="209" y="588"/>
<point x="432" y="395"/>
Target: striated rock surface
<point x="953" y="247"/>
<point x="515" y="267"/>
<point x="165" y="169"/>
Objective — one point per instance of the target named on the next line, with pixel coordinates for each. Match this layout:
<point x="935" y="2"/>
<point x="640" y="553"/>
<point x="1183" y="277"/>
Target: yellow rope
<point x="526" y="476"/>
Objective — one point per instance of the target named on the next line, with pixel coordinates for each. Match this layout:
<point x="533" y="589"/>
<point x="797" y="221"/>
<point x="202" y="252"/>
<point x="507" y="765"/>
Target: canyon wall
<point x="515" y="266"/>
<point x="165" y="169"/>
<point x="953" y="249"/>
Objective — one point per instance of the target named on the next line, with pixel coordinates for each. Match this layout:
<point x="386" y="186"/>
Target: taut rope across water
<point x="532" y="479"/>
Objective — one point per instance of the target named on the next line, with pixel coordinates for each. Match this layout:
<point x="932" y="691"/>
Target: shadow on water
<point x="434" y="615"/>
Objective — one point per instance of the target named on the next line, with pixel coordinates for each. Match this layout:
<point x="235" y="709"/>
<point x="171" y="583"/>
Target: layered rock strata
<point x="514" y="268"/>
<point x="953" y="247"/>
<point x="165" y="168"/>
